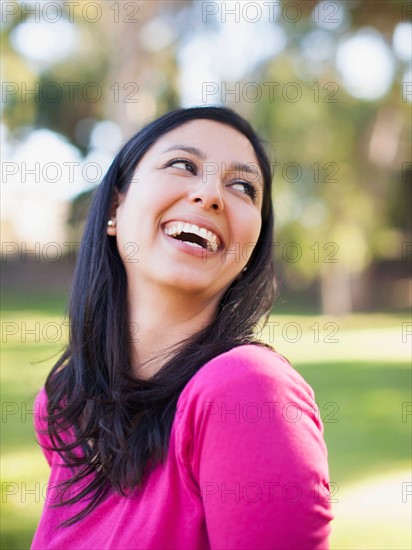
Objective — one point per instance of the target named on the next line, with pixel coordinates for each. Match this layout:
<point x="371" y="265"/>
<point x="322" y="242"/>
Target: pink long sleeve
<point x="251" y="434"/>
<point x="246" y="469"/>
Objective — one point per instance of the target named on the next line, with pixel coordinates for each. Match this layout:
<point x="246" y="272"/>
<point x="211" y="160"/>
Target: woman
<point x="164" y="420"/>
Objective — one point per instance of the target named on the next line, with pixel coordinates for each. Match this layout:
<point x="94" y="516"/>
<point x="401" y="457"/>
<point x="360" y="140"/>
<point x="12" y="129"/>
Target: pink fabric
<point x="246" y="469"/>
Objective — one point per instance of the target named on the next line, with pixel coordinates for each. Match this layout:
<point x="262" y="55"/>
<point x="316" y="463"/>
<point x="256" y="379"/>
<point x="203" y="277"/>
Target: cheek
<point x="155" y="195"/>
<point x="138" y="218"/>
<point x="141" y="202"/>
<point x="247" y="233"/>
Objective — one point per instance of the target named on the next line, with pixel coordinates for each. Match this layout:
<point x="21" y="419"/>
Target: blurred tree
<point x="340" y="162"/>
<point x="341" y="179"/>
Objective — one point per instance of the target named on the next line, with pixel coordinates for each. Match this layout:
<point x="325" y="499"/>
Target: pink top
<point x="246" y="469"/>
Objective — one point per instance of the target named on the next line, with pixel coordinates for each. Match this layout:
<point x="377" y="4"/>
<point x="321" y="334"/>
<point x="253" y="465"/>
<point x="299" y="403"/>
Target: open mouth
<point x="193" y="235"/>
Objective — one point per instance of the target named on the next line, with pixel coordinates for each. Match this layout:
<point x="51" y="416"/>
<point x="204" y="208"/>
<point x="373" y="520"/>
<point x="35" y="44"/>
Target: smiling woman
<point x="168" y="411"/>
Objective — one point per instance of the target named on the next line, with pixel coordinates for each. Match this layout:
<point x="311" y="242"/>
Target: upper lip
<point x="200" y="222"/>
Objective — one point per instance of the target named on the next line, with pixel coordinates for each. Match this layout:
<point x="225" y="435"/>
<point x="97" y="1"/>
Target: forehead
<point x="216" y="140"/>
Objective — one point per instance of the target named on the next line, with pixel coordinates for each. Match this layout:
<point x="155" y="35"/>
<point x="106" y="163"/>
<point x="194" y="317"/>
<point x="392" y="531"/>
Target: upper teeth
<point x="182" y="227"/>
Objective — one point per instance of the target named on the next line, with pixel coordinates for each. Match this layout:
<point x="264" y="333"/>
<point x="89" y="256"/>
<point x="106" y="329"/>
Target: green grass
<point x="360" y="383"/>
<point x="361" y="408"/>
<point x="50" y="303"/>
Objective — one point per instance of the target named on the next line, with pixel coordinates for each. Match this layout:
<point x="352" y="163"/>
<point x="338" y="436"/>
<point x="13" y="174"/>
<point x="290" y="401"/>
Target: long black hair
<point x="121" y="424"/>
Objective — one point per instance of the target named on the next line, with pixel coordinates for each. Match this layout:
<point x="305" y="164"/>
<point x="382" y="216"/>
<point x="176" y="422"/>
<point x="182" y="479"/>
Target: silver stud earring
<point x="245" y="268"/>
<point x="111" y="223"/>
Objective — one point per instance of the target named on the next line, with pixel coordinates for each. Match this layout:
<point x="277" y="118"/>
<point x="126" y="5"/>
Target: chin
<point x="188" y="285"/>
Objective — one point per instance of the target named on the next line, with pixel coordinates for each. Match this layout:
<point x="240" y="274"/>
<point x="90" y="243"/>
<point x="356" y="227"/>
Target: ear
<point x="116" y="200"/>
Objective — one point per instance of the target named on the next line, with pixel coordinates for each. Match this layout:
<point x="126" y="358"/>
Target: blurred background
<point x="329" y="87"/>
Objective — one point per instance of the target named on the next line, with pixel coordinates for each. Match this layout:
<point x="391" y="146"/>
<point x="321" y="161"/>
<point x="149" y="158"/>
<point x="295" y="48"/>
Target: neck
<point x="161" y="318"/>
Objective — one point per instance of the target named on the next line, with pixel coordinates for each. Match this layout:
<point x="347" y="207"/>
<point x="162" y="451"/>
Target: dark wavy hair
<point x="122" y="424"/>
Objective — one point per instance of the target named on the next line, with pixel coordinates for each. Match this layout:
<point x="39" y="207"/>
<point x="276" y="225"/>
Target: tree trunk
<point x="336" y="290"/>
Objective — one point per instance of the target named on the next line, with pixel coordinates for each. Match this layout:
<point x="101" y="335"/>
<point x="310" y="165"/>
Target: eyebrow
<point x="192" y="150"/>
<point x="235" y="166"/>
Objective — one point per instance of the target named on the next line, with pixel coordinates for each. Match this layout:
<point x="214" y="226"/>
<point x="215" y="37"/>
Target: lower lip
<point x="184" y="247"/>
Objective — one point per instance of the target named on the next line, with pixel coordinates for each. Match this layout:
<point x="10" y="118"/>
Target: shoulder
<point x="247" y="371"/>
<point x="247" y="419"/>
<point x="247" y="399"/>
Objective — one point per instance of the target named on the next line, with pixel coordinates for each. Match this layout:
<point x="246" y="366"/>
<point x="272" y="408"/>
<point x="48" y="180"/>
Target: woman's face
<point x="192" y="214"/>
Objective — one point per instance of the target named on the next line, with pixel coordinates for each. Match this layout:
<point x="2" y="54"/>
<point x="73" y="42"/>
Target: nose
<point x="208" y="194"/>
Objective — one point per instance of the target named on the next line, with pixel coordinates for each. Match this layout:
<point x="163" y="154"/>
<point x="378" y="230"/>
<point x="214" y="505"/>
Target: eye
<point x="182" y="164"/>
<point x="248" y="188"/>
